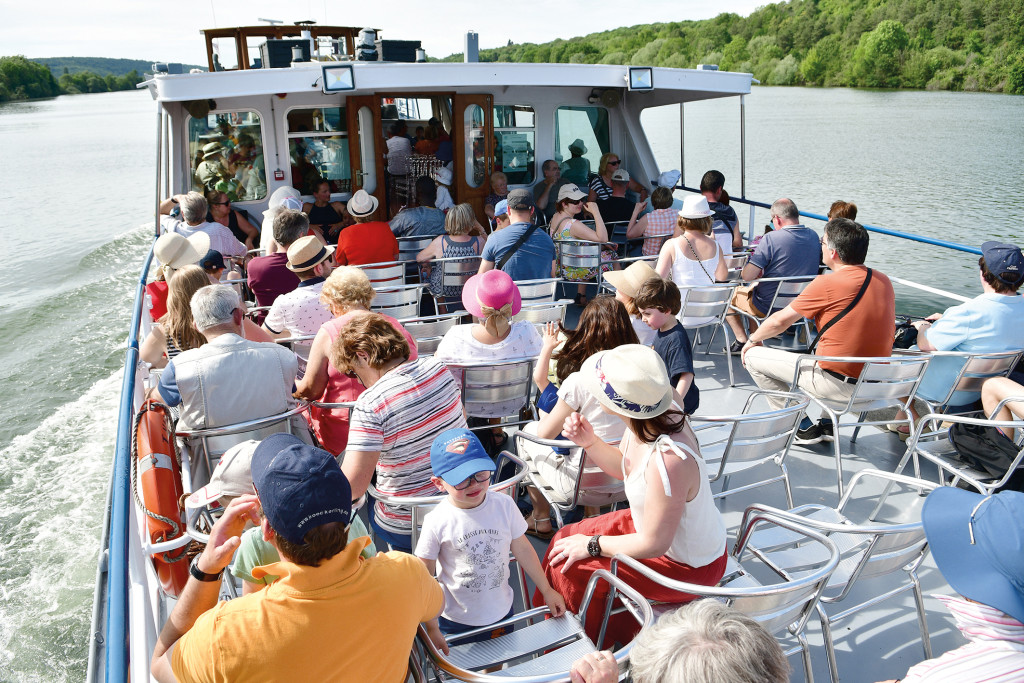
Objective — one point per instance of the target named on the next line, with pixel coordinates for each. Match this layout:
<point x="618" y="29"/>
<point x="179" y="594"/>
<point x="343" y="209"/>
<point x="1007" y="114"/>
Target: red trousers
<point x="573" y="584"/>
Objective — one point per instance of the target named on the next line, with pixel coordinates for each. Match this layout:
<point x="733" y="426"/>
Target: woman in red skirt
<point x="672" y="524"/>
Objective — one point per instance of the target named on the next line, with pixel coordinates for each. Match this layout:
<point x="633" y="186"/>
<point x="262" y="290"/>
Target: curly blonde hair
<point x="347" y="287"/>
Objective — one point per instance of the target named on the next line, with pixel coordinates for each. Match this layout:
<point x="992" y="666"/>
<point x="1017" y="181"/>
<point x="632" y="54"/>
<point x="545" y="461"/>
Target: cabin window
<point x="476" y="147"/>
<point x="226" y="151"/>
<point x="318" y="149"/>
<point x="514" y="128"/>
<point x="586" y="125"/>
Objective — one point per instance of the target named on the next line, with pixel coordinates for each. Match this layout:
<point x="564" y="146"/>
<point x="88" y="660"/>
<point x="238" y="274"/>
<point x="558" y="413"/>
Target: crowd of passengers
<point x="620" y="386"/>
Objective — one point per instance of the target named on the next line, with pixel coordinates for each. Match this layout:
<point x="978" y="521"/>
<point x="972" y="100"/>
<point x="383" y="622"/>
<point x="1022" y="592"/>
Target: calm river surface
<point x="77" y="183"/>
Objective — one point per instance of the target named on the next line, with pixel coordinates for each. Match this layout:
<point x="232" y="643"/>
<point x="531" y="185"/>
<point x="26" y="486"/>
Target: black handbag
<point x="987" y="449"/>
<point x="906" y="333"/>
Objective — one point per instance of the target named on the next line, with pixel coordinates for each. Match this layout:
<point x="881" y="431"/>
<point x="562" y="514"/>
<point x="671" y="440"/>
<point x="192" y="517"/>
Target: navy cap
<point x="300" y="487"/>
<point x="213" y="259"/>
<point x="978" y="545"/>
<point x="456" y="455"/>
<point x="1004" y="261"/>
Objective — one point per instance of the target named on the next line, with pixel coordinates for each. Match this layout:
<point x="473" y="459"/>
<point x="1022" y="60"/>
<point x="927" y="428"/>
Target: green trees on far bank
<point x="935" y="44"/>
<point x="23" y="79"/>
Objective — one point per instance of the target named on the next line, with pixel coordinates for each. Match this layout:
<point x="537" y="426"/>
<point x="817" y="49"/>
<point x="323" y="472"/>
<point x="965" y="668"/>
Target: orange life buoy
<point x="159" y="478"/>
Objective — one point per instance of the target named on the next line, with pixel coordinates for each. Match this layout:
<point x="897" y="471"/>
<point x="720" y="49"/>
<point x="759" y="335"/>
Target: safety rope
<point x="174" y="524"/>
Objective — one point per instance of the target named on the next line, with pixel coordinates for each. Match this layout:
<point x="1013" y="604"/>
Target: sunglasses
<point x="615" y="163"/>
<point x="220" y="203"/>
<point x="574" y="201"/>
<point x="479" y="478"/>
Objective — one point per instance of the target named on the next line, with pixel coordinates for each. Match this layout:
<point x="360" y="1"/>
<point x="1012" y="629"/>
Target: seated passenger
<point x="725" y="225"/>
<point x="492" y="298"/>
<point x="276" y="203"/>
<point x="616" y="208"/>
<point x="997" y="389"/>
<point x="602" y="185"/>
<point x="603" y="325"/>
<point x="229" y="379"/>
<point x="407" y="403"/>
<point x="565" y="226"/>
<point x="501" y="219"/>
<point x="658" y="302"/>
<point x="327" y="218"/>
<point x="499" y="191"/>
<point x="442" y="181"/>
<point x="465" y="237"/>
<point x="627" y="284"/>
<point x="546" y="191"/>
<point x="213" y="265"/>
<point x="423" y="219"/>
<point x="239" y="225"/>
<point x="368" y="240"/>
<point x="269" y="276"/>
<point x="841" y="209"/>
<point x="193" y="209"/>
<point x="468" y="536"/>
<point x="521" y="249"/>
<point x="347" y="292"/>
<point x="306" y="503"/>
<point x="660" y="221"/>
<point x="666" y="486"/>
<point x="172" y="252"/>
<point x="429" y="144"/>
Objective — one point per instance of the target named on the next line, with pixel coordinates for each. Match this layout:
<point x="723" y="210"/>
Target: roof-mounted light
<point x="338" y="78"/>
<point x="640" y="78"/>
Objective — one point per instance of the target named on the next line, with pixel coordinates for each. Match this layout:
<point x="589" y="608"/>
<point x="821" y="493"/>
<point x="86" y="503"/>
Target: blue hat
<point x="213" y="259"/>
<point x="978" y="545"/>
<point x="300" y="487"/>
<point x="456" y="455"/>
<point x="1004" y="261"/>
<point x="501" y="208"/>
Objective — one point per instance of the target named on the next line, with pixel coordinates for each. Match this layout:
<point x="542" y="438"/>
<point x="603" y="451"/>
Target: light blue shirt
<point x="990" y="322"/>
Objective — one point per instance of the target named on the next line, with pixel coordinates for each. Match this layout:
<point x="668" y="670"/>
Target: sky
<point x="169" y="32"/>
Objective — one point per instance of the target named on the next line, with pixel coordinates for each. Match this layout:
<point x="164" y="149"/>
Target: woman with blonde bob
<point x="465" y="238"/>
<point x="693" y="258"/>
<point x="347" y="292"/>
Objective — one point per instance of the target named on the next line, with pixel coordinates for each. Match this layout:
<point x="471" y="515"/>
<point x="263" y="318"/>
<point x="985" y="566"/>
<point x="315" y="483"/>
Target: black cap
<point x="520" y="200"/>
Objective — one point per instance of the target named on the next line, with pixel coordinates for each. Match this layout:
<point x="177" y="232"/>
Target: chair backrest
<point x="542" y="313"/>
<point x="578" y="254"/>
<point x="455" y="271"/>
<point x="977" y="368"/>
<point x="398" y="302"/>
<point x="537" y="291"/>
<point x="617" y="231"/>
<point x="706" y="302"/>
<point x="485" y="384"/>
<point x="300" y="346"/>
<point x="889" y="379"/>
<point x="384" y="274"/>
<point x="788" y="289"/>
<point x="735" y="262"/>
<point x="408" y="247"/>
<point x="429" y="331"/>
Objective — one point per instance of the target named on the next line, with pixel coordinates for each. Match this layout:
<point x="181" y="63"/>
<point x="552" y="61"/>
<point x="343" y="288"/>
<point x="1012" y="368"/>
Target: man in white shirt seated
<point x="192" y="219"/>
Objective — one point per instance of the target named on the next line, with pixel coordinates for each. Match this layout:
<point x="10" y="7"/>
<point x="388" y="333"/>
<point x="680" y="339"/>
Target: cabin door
<point x="366" y="151"/>
<point x="473" y="147"/>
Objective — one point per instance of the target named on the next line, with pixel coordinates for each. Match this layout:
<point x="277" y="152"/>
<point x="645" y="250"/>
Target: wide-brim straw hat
<point x="696" y="206"/>
<point x="362" y="204"/>
<point x="177" y="251"/>
<point x="306" y="252"/>
<point x="629" y="280"/>
<point x="630" y="380"/>
<point x="494" y="289"/>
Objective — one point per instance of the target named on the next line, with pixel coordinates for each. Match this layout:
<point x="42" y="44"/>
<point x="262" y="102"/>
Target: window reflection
<point x="226" y="150"/>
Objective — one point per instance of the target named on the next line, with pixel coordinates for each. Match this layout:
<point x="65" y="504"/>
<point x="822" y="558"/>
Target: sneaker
<point x="809" y="435"/>
<point x="827" y="433"/>
<point x="736" y="348"/>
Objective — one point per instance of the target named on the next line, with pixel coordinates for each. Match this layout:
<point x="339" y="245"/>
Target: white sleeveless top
<point x="688" y="272"/>
<point x="700" y="538"/>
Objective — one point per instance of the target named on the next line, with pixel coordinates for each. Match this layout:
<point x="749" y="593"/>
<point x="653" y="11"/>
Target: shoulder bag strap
<point x="520" y="242"/>
<point x="842" y="313"/>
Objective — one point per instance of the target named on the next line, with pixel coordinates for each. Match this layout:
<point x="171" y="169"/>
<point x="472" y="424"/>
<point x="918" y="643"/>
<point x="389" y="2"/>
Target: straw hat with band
<point x="362" y="204"/>
<point x="494" y="298"/>
<point x="306" y="252"/>
<point x="630" y="380"/>
<point x="174" y="251"/>
<point x="629" y="280"/>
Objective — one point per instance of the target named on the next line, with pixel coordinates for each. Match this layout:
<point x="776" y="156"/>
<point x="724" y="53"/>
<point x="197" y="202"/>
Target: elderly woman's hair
<point x="372" y="335"/>
<point x="289" y="225"/>
<point x="214" y="305"/>
<point x="347" y="287"/>
<point x="661" y="198"/>
<point x="177" y="322"/>
<point x="841" y="209"/>
<point x="707" y="642"/>
<point x="459" y="220"/>
<point x="498" y="175"/>
<point x="194" y="208"/>
<point x="703" y="225"/>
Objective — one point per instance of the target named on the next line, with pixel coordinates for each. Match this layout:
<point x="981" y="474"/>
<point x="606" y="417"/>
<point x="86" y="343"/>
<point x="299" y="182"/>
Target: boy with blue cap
<point x="978" y="545"/>
<point x="470" y="533"/>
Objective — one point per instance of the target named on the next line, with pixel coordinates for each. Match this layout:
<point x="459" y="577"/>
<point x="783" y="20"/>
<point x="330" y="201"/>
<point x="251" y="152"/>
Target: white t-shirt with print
<point x="471" y="548"/>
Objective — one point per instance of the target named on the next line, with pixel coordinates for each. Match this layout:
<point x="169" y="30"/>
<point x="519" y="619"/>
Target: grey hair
<point x="707" y="641"/>
<point x="194" y="208"/>
<point x="289" y="225"/>
<point x="214" y="305"/>
<point x="786" y="209"/>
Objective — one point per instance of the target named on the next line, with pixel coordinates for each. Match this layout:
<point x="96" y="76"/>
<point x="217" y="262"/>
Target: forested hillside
<point x="22" y="79"/>
<point x="935" y="44"/>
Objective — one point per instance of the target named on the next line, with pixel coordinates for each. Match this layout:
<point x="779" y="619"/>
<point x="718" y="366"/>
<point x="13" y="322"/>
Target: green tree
<point x="878" y="60"/>
<point x="822" y="61"/>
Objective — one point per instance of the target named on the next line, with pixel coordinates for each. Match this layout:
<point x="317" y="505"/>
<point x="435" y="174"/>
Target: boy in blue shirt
<point x="658" y="301"/>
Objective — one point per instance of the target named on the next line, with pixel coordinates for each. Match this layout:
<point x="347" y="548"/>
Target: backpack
<point x="987" y="449"/>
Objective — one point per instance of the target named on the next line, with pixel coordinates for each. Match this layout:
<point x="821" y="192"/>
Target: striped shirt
<point x="659" y="222"/>
<point x="399" y="417"/>
<point x="994" y="653"/>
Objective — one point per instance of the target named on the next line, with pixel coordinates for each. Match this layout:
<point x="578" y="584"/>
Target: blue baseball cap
<point x="456" y="455"/>
<point x="1004" y="261"/>
<point x="300" y="487"/>
<point x="978" y="545"/>
<point x="501" y="208"/>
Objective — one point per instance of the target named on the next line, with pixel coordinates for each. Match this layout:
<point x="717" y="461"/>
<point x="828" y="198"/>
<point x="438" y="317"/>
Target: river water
<point x="77" y="185"/>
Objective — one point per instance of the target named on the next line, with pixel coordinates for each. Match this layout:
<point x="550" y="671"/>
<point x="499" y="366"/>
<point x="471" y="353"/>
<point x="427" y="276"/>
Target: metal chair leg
<point x="830" y="648"/>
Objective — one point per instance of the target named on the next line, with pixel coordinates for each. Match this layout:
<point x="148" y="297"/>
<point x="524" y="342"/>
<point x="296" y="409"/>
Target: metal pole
<point x="743" y="164"/>
<point x="159" y="167"/>
<point x="682" y="156"/>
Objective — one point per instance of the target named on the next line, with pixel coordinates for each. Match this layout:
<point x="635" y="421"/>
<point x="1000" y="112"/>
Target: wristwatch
<point x="594" y="546"/>
<point x="200" y="575"/>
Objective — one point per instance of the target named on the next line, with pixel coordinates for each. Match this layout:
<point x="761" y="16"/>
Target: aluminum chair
<point x="398" y="302"/>
<point x="508" y="384"/>
<point x="782" y="608"/>
<point x="931" y="442"/>
<point x="975" y="369"/>
<point x="384" y="275"/>
<point x="789" y="289"/>
<point x="300" y="346"/>
<point x="429" y="330"/>
<point x="454" y="274"/>
<point x="578" y="254"/>
<point x="884" y="382"/>
<point x="709" y="302"/>
<point x="542" y="651"/>
<point x="737" y="443"/>
<point x="540" y="314"/>
<point x="409" y="247"/>
<point x="537" y="291"/>
<point x="869" y="550"/>
<point x="735" y="261"/>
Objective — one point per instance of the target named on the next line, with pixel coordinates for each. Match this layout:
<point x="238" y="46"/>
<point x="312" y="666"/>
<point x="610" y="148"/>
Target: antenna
<point x="272" y="22"/>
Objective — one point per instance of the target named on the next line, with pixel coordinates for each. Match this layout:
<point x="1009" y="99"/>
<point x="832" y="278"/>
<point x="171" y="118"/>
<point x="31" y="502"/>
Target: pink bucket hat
<point x="493" y="289"/>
